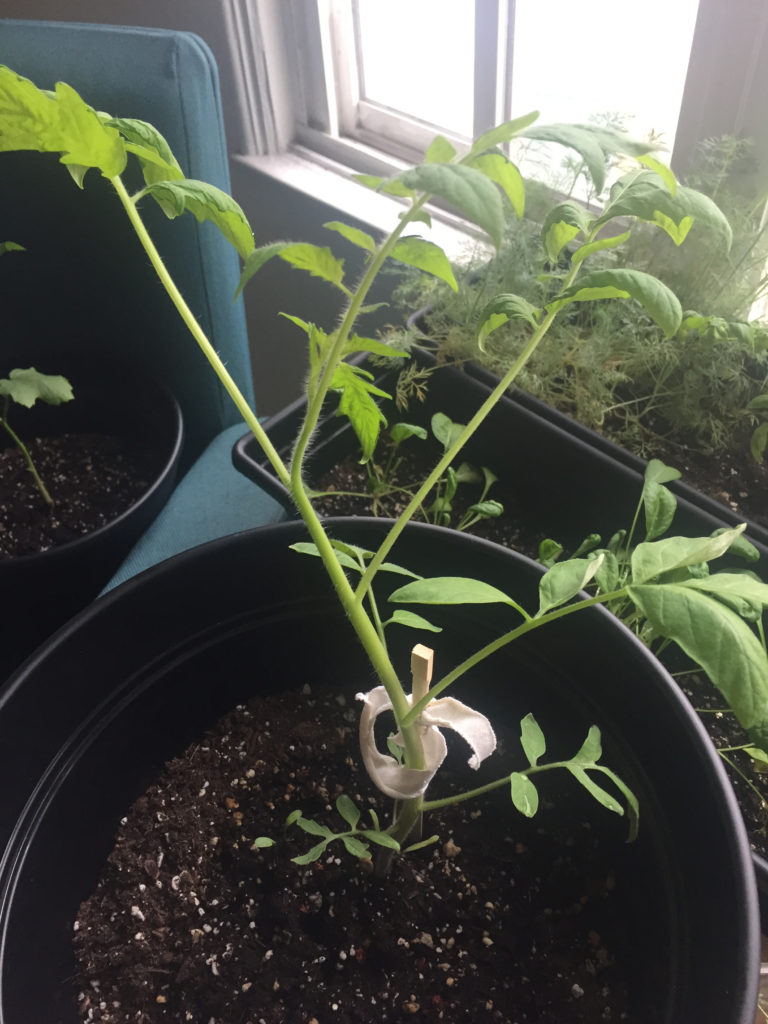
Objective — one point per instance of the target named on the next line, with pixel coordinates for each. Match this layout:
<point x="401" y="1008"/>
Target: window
<point x="372" y="81"/>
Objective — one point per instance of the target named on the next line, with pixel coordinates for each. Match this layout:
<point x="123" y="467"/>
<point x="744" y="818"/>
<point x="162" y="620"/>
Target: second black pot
<point x="111" y="397"/>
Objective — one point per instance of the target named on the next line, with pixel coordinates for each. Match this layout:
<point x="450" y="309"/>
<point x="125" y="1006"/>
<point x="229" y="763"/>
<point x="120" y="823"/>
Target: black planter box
<point x="563" y="478"/>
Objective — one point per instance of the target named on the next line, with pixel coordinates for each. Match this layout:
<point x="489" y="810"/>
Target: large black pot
<point x="559" y="476"/>
<point x="172" y="649"/>
<point x="113" y="397"/>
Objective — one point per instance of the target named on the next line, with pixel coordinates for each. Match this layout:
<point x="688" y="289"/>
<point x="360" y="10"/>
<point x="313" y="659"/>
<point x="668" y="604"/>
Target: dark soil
<point x="92" y="479"/>
<point x="500" y="921"/>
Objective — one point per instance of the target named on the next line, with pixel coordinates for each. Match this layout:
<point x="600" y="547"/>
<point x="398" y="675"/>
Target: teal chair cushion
<point x="84" y="275"/>
<point x="211" y="501"/>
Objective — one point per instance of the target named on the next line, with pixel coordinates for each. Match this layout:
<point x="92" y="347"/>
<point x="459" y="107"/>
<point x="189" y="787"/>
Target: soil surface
<point x="501" y="921"/>
<point x="92" y="479"/>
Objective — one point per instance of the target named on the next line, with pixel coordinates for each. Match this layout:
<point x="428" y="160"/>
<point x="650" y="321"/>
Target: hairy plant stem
<point x="28" y="458"/>
<point x="361" y="622"/>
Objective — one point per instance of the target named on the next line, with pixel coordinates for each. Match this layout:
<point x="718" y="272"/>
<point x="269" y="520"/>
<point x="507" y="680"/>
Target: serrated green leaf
<point x="426" y="256"/>
<point x="502" y="308"/>
<point x="358" y="404"/>
<point x="602" y="243"/>
<point x="719" y="641"/>
<point x="650" y="560"/>
<point x="28" y="386"/>
<point x="402" y="617"/>
<point x="562" y="224"/>
<point x="655" y="297"/>
<point x="501" y="133"/>
<point x="205" y="202"/>
<point x="439" y="151"/>
<point x="150" y="147"/>
<point x="11" y="247"/>
<point x="449" y="590"/>
<point x="532" y="739"/>
<point x="524" y="794"/>
<point x="593" y="144"/>
<point x="465" y="188"/>
<point x="317" y="260"/>
<point x="503" y="173"/>
<point x="347" y="809"/>
<point x="59" y="122"/>
<point x="374" y="346"/>
<point x="353" y="235"/>
<point x="564" y="580"/>
<point x="643" y="194"/>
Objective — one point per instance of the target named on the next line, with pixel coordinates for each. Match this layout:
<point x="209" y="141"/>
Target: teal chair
<point x="85" y="276"/>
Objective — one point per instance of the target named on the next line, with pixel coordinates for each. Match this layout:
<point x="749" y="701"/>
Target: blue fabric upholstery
<point x="211" y="501"/>
<point x="82" y="258"/>
<point x="85" y="276"/>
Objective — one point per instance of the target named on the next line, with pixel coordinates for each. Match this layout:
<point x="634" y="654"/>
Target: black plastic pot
<point x="43" y="590"/>
<point x="142" y="672"/>
<point x="562" y="477"/>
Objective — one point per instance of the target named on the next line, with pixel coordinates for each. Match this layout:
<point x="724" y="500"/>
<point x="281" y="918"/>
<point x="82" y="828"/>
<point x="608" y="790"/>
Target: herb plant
<point x="476" y="182"/>
<point x="27" y="387"/>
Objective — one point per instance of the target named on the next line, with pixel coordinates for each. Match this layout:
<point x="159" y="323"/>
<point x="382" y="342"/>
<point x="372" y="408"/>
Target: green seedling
<point x="478" y="182"/>
<point x="25" y="387"/>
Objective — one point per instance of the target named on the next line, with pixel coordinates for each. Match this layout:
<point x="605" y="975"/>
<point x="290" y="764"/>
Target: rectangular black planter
<point x="565" y="479"/>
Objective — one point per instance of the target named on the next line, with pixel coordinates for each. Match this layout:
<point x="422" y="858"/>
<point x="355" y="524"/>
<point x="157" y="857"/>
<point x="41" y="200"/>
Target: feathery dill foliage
<point x="607" y="363"/>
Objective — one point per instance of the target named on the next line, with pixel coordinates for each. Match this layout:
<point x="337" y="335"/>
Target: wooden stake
<point x="422" y="659"/>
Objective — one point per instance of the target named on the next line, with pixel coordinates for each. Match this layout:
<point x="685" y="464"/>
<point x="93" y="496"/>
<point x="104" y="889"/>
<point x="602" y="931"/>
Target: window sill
<point x="330" y="183"/>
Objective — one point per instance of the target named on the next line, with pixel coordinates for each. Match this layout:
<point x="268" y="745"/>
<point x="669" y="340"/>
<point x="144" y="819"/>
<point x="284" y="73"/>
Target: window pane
<point x="417" y="57"/>
<point x="609" y="60"/>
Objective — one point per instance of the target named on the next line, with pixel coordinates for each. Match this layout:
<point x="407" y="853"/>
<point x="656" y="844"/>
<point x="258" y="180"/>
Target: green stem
<point x="30" y="464"/>
<point x="450" y="454"/>
<point x="361" y="623"/>
<point x="502" y="641"/>
<point x="250" y="417"/>
<point x="470" y="794"/>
